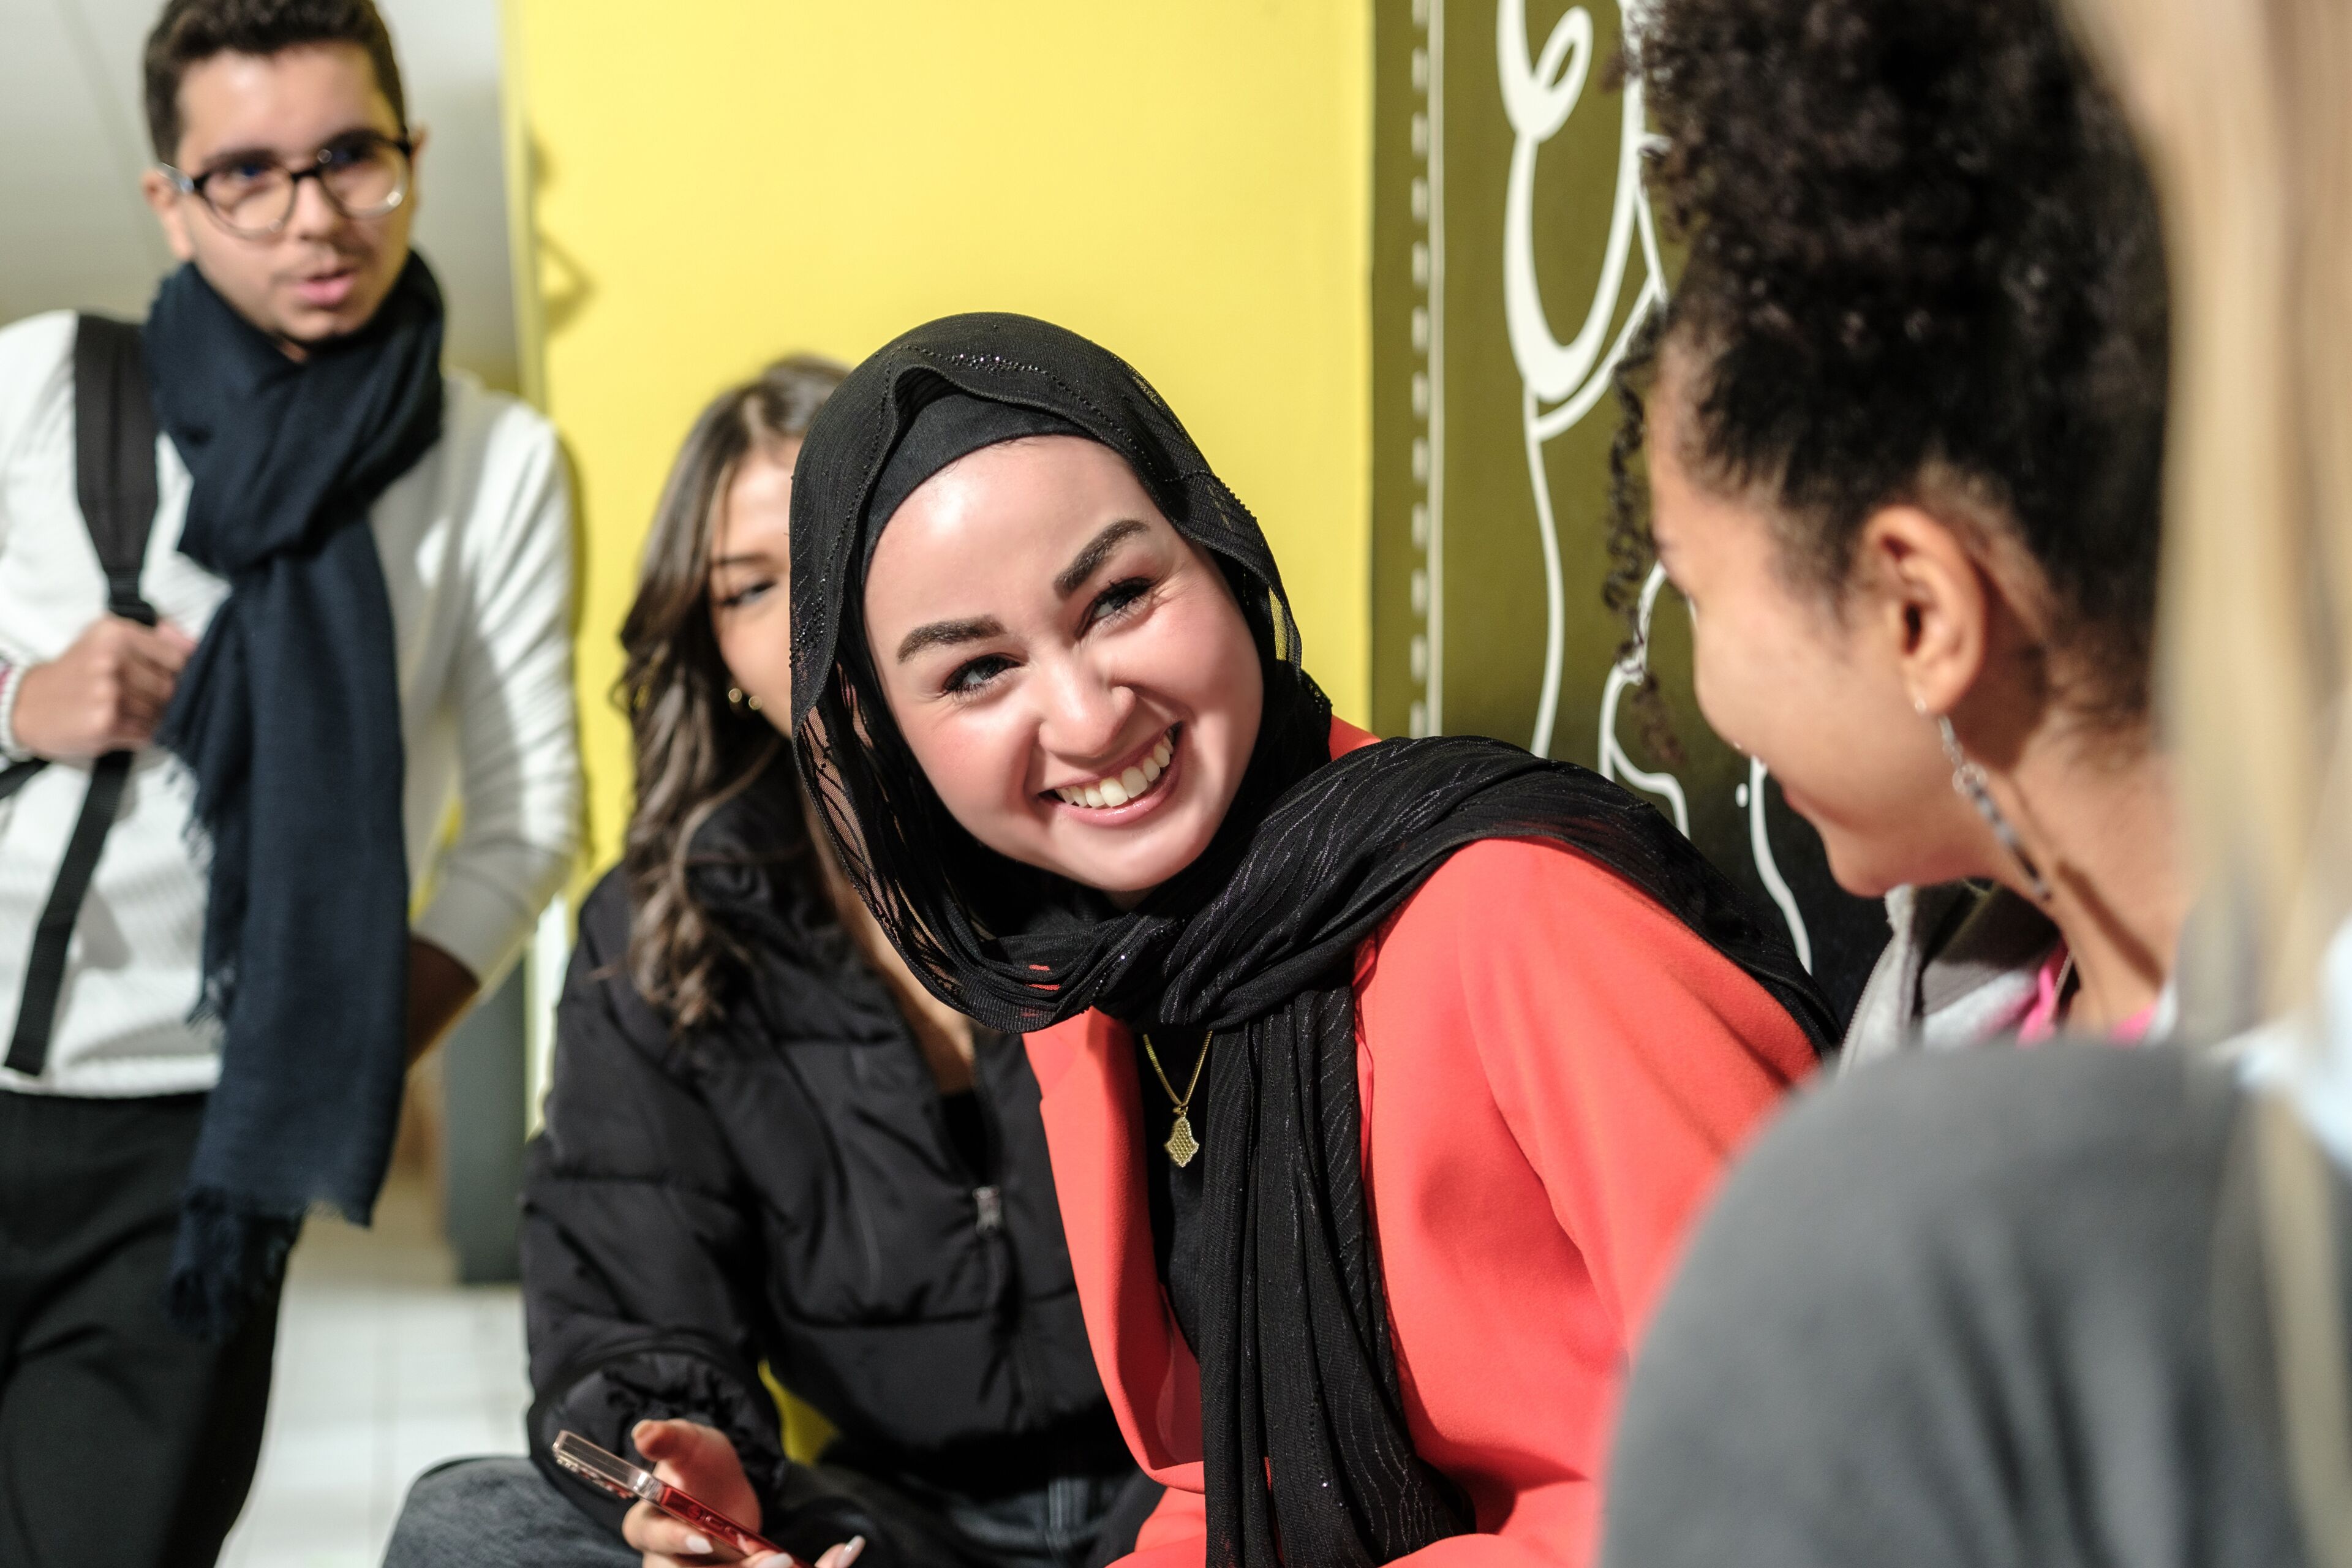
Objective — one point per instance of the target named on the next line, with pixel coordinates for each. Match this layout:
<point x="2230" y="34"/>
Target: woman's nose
<point x="1085" y="712"/>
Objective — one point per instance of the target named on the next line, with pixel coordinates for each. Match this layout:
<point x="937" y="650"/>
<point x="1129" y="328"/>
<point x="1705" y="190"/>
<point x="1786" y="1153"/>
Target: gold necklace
<point x="1181" y="1145"/>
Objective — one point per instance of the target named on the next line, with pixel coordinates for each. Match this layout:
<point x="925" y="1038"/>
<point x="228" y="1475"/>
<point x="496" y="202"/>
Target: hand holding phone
<point x="669" y="1522"/>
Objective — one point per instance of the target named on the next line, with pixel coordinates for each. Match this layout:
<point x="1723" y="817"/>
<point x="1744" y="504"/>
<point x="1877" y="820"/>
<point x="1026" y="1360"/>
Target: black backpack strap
<point x="114" y="480"/>
<point x="114" y="457"/>
<point x="45" y="970"/>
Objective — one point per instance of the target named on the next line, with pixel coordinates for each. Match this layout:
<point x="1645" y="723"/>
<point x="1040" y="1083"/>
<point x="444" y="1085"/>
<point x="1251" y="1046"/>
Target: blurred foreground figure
<point x="246" y="670"/>
<point x="2080" y="1305"/>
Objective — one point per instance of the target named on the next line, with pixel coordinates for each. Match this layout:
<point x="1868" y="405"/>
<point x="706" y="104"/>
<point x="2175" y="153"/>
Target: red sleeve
<point x="1628" y="1057"/>
<point x="1604" y="1063"/>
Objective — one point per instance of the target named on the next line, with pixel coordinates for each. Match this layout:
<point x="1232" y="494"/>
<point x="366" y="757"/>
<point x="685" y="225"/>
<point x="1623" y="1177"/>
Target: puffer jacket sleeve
<point x="641" y="1261"/>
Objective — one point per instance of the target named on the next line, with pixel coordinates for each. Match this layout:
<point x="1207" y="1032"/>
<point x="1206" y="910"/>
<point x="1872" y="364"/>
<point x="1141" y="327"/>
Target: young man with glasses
<point x="230" y="756"/>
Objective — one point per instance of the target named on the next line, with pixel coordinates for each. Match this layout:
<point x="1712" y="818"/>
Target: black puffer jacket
<point x="783" y="1188"/>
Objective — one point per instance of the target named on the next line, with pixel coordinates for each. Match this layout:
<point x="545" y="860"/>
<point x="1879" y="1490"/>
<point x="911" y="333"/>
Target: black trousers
<point x="121" y="1439"/>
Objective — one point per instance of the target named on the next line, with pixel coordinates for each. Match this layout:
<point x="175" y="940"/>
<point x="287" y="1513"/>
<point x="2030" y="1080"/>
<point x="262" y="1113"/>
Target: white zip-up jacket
<point x="476" y="549"/>
<point x="1961" y="969"/>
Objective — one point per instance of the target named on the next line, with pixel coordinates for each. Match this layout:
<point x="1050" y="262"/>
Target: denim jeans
<point x="502" y="1513"/>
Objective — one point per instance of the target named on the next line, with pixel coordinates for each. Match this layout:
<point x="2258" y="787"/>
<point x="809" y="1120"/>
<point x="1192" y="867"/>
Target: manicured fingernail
<point x="696" y="1544"/>
<point x="849" y="1552"/>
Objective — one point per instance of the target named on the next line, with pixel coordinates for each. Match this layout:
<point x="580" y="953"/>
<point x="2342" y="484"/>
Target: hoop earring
<point x="735" y="698"/>
<point x="1970" y="783"/>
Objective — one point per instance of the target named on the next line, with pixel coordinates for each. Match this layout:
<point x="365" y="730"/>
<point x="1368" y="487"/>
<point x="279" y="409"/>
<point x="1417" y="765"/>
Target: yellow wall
<point x="717" y="182"/>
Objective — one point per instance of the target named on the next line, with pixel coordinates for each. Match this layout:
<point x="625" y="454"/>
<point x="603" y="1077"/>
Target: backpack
<point x="114" y="480"/>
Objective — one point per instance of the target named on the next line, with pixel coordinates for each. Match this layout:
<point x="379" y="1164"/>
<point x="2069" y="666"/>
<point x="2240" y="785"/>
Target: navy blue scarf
<point x="289" y="716"/>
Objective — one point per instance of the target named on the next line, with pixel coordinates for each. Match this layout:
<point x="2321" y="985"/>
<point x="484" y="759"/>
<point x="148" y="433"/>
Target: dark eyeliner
<point x="1118" y="599"/>
<point x="744" y="595"/>
<point x="955" y="684"/>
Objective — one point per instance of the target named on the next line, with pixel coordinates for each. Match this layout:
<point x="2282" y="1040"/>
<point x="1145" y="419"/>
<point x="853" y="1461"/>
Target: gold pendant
<point x="1181" y="1144"/>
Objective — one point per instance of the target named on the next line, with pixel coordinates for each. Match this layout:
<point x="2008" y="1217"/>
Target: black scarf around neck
<point x="1308" y="1456"/>
<point x="289" y="717"/>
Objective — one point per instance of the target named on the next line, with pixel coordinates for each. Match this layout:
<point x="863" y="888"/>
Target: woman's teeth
<point x="1121" y="789"/>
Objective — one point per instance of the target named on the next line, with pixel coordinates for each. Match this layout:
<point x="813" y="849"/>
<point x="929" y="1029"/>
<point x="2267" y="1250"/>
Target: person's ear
<point x="417" y="135"/>
<point x="171" y="212"/>
<point x="1932" y="602"/>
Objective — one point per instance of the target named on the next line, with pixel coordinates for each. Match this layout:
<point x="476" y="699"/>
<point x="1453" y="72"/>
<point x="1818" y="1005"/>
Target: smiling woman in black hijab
<point x="1379" y="1079"/>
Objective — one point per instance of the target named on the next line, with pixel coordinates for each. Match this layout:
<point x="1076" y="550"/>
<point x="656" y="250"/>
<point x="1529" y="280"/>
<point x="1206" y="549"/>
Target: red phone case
<point x="624" y="1479"/>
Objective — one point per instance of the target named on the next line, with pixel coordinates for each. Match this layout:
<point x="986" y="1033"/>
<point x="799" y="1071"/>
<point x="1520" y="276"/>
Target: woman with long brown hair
<point x="768" y="1150"/>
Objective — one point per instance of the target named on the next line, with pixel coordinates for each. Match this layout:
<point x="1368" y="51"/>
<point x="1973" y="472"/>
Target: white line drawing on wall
<point x="1561" y="383"/>
<point x="1624" y="675"/>
<point x="1538" y="96"/>
<point x="1751" y="796"/>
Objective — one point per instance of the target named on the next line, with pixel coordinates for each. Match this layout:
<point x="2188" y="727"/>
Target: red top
<point x="1553" y="1071"/>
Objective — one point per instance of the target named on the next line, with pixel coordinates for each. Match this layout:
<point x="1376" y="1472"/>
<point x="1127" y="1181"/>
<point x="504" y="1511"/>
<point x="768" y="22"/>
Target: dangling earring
<point x="735" y="698"/>
<point x="1968" y="781"/>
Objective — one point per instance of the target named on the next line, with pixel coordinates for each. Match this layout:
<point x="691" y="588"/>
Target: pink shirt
<point x="2041" y="1020"/>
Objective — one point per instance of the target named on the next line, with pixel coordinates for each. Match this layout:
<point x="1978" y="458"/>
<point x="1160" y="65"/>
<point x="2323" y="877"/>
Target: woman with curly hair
<point x="1903" y="427"/>
<point x="2081" y="1306"/>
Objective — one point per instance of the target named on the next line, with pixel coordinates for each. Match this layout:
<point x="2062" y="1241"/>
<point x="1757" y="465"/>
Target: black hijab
<point x="1307" y="1458"/>
<point x="289" y="716"/>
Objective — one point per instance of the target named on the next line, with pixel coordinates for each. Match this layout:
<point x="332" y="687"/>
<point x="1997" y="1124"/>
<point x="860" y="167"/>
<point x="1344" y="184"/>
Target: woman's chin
<point x="1127" y="873"/>
<point x="1861" y="869"/>
<point x="1857" y="861"/>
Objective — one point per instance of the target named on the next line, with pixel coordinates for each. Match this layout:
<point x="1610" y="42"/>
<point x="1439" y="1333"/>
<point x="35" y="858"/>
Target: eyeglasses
<point x="252" y="194"/>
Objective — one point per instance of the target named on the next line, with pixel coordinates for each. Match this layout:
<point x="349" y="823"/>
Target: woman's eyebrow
<point x="1090" y="561"/>
<point x="755" y="558"/>
<point x="948" y="634"/>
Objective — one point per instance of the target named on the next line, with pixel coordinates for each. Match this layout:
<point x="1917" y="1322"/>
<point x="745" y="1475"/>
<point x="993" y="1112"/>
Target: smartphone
<point x="624" y="1479"/>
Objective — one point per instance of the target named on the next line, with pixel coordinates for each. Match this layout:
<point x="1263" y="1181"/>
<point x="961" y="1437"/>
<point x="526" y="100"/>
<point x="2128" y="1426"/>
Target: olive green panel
<point x="1481" y="492"/>
<point x="1478" y="428"/>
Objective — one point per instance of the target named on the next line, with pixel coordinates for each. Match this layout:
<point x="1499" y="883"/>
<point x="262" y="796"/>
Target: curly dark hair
<point x="190" y="31"/>
<point x="1925" y="261"/>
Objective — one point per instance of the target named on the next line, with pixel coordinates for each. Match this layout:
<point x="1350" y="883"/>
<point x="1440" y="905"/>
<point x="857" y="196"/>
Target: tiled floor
<point x="384" y="1367"/>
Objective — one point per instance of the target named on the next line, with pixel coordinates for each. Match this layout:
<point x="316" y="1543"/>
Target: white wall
<point x="73" y="229"/>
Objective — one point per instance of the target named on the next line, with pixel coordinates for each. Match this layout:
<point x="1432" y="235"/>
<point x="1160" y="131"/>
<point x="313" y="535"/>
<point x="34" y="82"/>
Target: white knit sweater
<point x="476" y="549"/>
